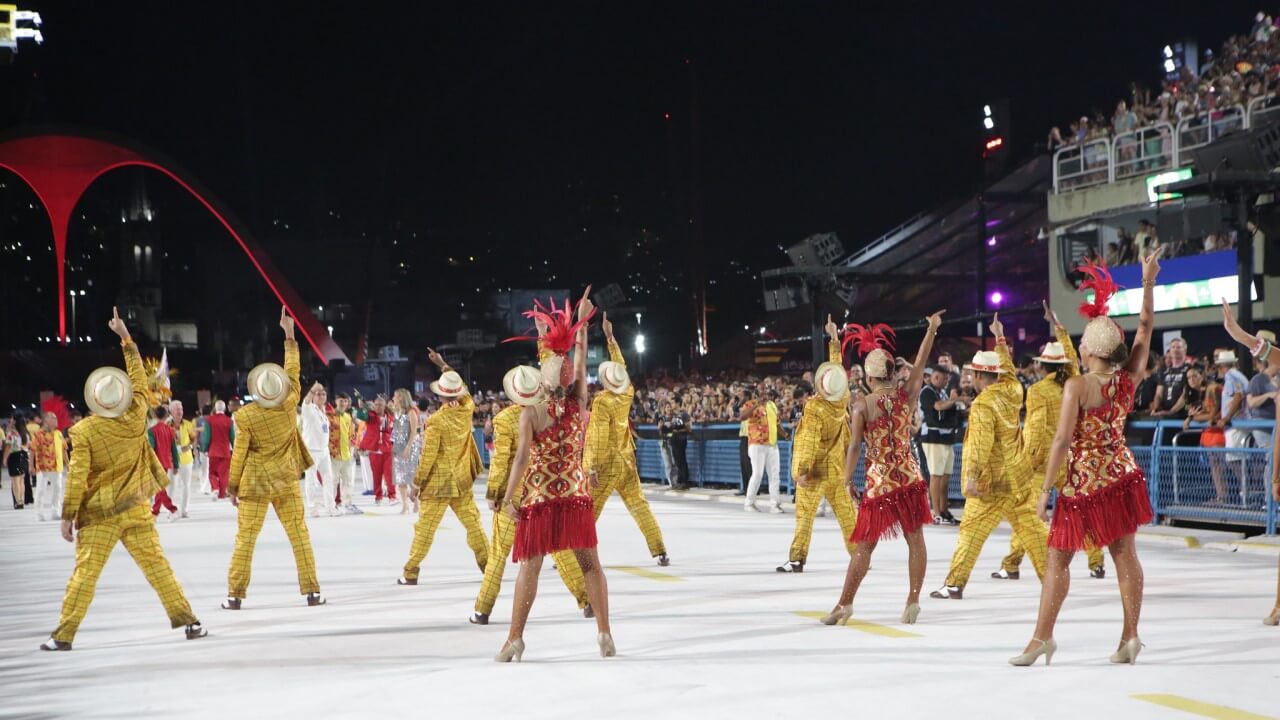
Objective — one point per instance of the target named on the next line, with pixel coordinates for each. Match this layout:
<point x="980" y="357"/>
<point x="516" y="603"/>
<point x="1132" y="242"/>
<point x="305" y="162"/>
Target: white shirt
<point x="315" y="427"/>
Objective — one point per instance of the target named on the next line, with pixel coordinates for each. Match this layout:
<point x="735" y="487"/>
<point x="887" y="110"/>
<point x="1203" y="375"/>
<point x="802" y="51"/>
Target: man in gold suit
<point x="817" y="456"/>
<point x="446" y="471"/>
<point x="609" y="457"/>
<point x="994" y="469"/>
<point x="1044" y="403"/>
<point x="522" y="386"/>
<point x="112" y="475"/>
<point x="266" y="463"/>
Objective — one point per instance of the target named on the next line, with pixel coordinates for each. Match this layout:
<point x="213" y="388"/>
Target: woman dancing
<point x="555" y="510"/>
<point x="406" y="446"/>
<point x="896" y="498"/>
<point x="1104" y="498"/>
<point x="1265" y="351"/>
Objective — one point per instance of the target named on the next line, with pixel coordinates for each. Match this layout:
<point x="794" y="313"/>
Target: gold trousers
<point x="292" y="515"/>
<point x="981" y="515"/>
<point x="430" y="513"/>
<point x="136" y="528"/>
<point x="1013" y="560"/>
<point x="504" y="536"/>
<point x="627" y="483"/>
<point x="807" y="501"/>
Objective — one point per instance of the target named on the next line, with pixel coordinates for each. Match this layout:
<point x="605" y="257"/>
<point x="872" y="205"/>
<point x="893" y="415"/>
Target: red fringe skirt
<point x="555" y="525"/>
<point x="902" y="510"/>
<point x="1100" y="518"/>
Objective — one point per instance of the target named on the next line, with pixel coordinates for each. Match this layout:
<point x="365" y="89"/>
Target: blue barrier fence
<point x="1186" y="481"/>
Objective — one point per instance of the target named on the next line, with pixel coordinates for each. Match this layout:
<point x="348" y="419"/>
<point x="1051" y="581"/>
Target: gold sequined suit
<point x="1044" y="404"/>
<point x="112" y="475"/>
<point x="266" y="463"/>
<point x="447" y="468"/>
<point x="818" y="451"/>
<point x="506" y="433"/>
<point x="994" y="459"/>
<point x="611" y="453"/>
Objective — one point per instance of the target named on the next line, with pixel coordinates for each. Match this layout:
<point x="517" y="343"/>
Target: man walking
<point x="938" y="435"/>
<point x="315" y="435"/>
<point x="218" y="437"/>
<point x="341" y="434"/>
<point x="762" y="449"/>
<point x="185" y="433"/>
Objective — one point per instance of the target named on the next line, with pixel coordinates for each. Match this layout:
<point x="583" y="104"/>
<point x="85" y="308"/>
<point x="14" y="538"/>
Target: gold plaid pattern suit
<point x="266" y="464"/>
<point x="1044" y="404"/>
<point x="611" y="453"/>
<point x="506" y="431"/>
<point x="112" y="475"/>
<point x="446" y="471"/>
<point x="994" y="460"/>
<point x="818" y="449"/>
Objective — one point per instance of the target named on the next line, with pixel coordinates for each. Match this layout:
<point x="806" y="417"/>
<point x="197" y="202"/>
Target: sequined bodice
<point x="555" y="460"/>
<point x="1099" y="455"/>
<point x="890" y="462"/>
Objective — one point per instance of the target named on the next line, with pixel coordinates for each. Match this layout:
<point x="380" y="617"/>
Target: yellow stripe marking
<point x="647" y="573"/>
<point x="1195" y="707"/>
<point x="864" y="626"/>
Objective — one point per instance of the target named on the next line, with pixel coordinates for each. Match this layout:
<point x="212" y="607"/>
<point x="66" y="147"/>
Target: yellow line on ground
<point x="647" y="573"/>
<point x="864" y="626"/>
<point x="1195" y="707"/>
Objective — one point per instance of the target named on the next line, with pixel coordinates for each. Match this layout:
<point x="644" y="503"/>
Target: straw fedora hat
<point x="449" y="385"/>
<point x="831" y="382"/>
<point x="1053" y="353"/>
<point x="523" y="385"/>
<point x="108" y="392"/>
<point x="984" y="361"/>
<point x="269" y="385"/>
<point x="614" y="377"/>
<point x="1225" y="357"/>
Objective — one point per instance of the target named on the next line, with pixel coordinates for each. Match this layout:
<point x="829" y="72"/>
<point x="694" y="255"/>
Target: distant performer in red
<point x="219" y="434"/>
<point x="377" y="443"/>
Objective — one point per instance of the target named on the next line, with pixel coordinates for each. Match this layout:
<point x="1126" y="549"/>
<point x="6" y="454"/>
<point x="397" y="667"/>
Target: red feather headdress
<point x="1103" y="287"/>
<point x="868" y="338"/>
<point x="561" y="327"/>
<point x="58" y="406"/>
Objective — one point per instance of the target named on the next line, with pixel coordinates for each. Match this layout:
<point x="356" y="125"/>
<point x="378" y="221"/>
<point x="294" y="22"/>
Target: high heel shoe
<point x="1273" y="619"/>
<point x="605" y="640"/>
<point x="839" y="616"/>
<point x="512" y="649"/>
<point x="1047" y="649"/>
<point x="1128" y="652"/>
<point x="910" y="613"/>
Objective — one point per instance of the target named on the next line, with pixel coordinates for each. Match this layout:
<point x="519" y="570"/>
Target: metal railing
<point x="1144" y="150"/>
<point x="1263" y="109"/>
<point x="1084" y="165"/>
<point x="1201" y="130"/>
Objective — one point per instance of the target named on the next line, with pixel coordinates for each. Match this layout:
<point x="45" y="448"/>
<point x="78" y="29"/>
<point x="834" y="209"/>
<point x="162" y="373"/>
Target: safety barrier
<point x="1144" y="150"/>
<point x="1263" y="109"/>
<point x="1081" y="166"/>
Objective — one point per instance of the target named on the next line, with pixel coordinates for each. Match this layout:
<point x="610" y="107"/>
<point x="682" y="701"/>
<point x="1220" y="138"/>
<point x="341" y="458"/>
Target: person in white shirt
<point x="319" y="479"/>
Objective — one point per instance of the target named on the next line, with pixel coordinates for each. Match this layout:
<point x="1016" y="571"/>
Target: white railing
<point x="1144" y="150"/>
<point x="1263" y="109"/>
<point x="1200" y="130"/>
<point x="1083" y="165"/>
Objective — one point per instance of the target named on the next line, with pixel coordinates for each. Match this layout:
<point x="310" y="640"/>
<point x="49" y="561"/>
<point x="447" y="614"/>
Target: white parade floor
<point x="718" y="634"/>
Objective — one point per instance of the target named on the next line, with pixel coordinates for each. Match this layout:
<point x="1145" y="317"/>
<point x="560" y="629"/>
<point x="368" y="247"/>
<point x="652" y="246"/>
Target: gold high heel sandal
<point x="910" y="613"/>
<point x="605" y="641"/>
<point x="1128" y="652"/>
<point x="1273" y="619"/>
<point x="839" y="616"/>
<point x="512" y="649"/>
<point x="1047" y="649"/>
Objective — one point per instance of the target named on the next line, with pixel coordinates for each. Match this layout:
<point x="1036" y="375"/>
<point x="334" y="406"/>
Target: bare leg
<point x="1053" y="592"/>
<point x="1215" y="472"/>
<point x="526" y="591"/>
<point x="858" y="565"/>
<point x="597" y="586"/>
<point x="938" y="494"/>
<point x="917" y="558"/>
<point x="1124" y="554"/>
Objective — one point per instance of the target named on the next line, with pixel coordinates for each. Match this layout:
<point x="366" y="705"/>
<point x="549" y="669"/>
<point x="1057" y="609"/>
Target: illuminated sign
<point x="1180" y="296"/>
<point x="1165" y="178"/>
<point x="994" y="143"/>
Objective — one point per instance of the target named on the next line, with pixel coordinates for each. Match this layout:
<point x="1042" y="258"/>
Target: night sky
<point x="506" y="120"/>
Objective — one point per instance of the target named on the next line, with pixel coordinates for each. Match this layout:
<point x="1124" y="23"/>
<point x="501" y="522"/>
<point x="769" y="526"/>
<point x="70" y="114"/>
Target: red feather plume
<point x="869" y="337"/>
<point x="1099" y="281"/>
<point x="561" y="327"/>
<point x="58" y="406"/>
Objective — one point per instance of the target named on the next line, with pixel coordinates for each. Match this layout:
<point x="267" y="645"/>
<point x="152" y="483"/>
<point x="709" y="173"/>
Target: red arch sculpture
<point x="60" y="167"/>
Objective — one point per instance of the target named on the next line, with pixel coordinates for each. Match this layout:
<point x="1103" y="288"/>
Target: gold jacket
<point x="269" y="455"/>
<point x="1044" y="404"/>
<point x="993" y="454"/>
<point x="609" y="446"/>
<point x="113" y="468"/>
<point x="506" y="433"/>
<point x="450" y="460"/>
<point x="822" y="435"/>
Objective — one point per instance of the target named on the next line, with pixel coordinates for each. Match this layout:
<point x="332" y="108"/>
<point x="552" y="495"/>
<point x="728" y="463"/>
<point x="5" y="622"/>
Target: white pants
<point x="48" y="495"/>
<point x="344" y="479"/>
<point x="202" y="462"/>
<point x="320" y="496"/>
<point x="764" y="458"/>
<point x="366" y="474"/>
<point x="180" y="488"/>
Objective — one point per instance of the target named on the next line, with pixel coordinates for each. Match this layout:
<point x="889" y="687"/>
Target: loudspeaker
<point x="817" y="249"/>
<point x="1237" y="152"/>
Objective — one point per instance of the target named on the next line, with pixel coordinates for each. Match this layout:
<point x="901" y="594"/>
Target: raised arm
<point x="615" y="352"/>
<point x="292" y="366"/>
<point x="1259" y="348"/>
<point x="1008" y="371"/>
<point x="834" y="354"/>
<point x="136" y="414"/>
<point x="1147" y="319"/>
<point x="915" y="380"/>
<point x="1064" y="338"/>
<point x="580" y="350"/>
<point x="1071" y="394"/>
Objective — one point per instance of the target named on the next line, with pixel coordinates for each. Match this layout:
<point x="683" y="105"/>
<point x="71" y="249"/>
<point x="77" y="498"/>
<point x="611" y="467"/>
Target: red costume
<point x="377" y="442"/>
<point x="164" y="441"/>
<point x="218" y="426"/>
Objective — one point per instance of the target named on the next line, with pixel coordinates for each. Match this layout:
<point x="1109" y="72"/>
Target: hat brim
<point x="993" y="369"/>
<point x="445" y="392"/>
<point x="254" y="383"/>
<point x="92" y="402"/>
<point x="524" y="399"/>
<point x="619" y="388"/>
<point x="841" y="373"/>
<point x="1052" y="360"/>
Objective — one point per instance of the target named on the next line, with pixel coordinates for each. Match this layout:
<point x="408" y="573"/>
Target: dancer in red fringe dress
<point x="555" y="511"/>
<point x="897" y="497"/>
<point x="1104" y="498"/>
